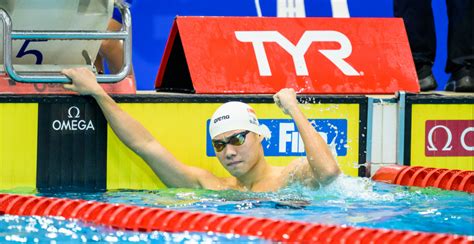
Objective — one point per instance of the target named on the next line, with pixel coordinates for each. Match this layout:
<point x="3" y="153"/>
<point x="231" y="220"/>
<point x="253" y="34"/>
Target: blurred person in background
<point x="419" y="23"/>
<point x="111" y="51"/>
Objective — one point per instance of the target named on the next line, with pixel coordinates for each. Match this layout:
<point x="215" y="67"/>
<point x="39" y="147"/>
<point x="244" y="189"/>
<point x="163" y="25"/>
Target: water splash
<point x="350" y="188"/>
<point x="266" y="132"/>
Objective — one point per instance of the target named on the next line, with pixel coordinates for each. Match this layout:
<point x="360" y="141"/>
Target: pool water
<point x="347" y="201"/>
<point x="58" y="230"/>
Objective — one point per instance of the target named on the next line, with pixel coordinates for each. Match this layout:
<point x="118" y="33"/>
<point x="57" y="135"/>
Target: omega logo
<point x="73" y="123"/>
<point x="457" y="134"/>
<point x="76" y="110"/>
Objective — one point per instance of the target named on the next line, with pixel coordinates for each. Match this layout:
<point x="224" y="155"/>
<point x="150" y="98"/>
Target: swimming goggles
<point x="235" y="140"/>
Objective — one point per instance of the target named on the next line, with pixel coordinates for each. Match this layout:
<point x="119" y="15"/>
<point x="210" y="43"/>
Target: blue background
<point x="152" y="20"/>
<point x="336" y="129"/>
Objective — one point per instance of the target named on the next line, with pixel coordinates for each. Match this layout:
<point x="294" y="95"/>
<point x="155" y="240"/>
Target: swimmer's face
<point x="238" y="150"/>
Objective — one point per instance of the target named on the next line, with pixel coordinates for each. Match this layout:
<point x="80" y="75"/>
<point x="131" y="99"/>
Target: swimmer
<point x="237" y="140"/>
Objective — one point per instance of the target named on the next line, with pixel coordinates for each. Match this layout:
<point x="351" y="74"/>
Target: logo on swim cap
<point x="233" y="116"/>
<point x="221" y="118"/>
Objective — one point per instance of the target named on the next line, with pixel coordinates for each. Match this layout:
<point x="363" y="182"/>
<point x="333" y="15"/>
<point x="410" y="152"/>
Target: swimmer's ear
<point x="260" y="137"/>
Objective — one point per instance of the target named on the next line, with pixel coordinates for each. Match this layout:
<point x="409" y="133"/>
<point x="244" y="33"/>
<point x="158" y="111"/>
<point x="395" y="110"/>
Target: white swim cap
<point x="233" y="116"/>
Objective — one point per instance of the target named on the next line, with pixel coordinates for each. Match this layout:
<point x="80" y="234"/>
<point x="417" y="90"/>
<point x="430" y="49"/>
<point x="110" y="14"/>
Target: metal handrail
<point x="9" y="35"/>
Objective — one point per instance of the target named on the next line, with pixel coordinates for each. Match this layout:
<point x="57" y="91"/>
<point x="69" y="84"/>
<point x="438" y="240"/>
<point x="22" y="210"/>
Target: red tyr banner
<point x="311" y="55"/>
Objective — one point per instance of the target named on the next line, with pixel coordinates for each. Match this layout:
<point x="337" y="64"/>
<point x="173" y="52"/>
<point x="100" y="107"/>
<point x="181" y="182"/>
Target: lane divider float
<point x="447" y="179"/>
<point x="147" y="219"/>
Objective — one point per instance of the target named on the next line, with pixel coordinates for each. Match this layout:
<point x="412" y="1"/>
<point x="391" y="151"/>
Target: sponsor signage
<point x="72" y="143"/>
<point x="441" y="134"/>
<point x="73" y="122"/>
<point x="449" y="138"/>
<point x="285" y="139"/>
<point x="312" y="55"/>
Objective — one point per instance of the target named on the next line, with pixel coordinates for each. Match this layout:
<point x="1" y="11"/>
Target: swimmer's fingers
<point x="277" y="100"/>
<point x="77" y="73"/>
<point x="70" y="74"/>
<point x="70" y="87"/>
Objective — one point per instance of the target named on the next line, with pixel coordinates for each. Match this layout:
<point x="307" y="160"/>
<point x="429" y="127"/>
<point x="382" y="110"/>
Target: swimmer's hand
<point x="83" y="81"/>
<point x="286" y="100"/>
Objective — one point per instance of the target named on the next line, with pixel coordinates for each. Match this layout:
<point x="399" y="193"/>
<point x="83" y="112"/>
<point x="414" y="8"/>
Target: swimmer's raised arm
<point x="170" y="170"/>
<point x="319" y="156"/>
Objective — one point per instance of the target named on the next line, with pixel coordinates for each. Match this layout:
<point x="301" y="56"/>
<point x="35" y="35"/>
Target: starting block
<point x="42" y="37"/>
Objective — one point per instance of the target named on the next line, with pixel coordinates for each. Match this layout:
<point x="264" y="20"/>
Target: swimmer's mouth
<point x="233" y="163"/>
